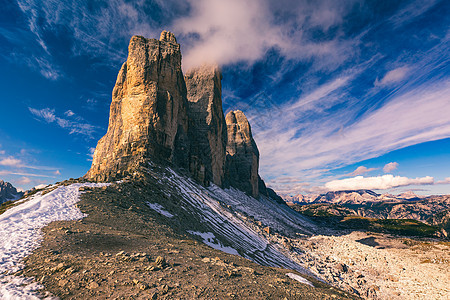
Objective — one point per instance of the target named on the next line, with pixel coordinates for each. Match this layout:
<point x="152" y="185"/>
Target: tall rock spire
<point x="207" y="127"/>
<point x="148" y="117"/>
<point x="242" y="161"/>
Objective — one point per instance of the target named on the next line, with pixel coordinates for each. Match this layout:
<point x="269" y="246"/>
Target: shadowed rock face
<point x="8" y="192"/>
<point x="207" y="127"/>
<point x="242" y="160"/>
<point x="148" y="115"/>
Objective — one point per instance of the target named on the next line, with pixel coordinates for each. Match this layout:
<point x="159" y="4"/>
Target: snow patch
<point x="299" y="279"/>
<point x="20" y="234"/>
<point x="159" y="208"/>
<point x="221" y="211"/>
<point x="210" y="239"/>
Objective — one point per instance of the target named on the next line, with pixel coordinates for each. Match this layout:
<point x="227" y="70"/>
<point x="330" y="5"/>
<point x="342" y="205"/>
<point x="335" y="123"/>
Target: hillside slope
<point x="114" y="251"/>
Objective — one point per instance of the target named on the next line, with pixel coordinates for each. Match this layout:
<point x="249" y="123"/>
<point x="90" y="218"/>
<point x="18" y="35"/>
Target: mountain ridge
<point x="8" y="192"/>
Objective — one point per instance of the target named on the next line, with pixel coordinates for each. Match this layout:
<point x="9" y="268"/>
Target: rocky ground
<point x="124" y="250"/>
<point x="375" y="265"/>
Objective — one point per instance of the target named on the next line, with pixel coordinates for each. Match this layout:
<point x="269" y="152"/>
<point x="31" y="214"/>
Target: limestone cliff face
<point x="207" y="127"/>
<point x="159" y="115"/>
<point x="242" y="159"/>
<point x="148" y="115"/>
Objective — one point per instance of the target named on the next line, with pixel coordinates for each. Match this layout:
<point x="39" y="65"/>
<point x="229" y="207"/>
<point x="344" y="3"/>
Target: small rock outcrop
<point x="148" y="115"/>
<point x="8" y="192"/>
<point x="207" y="127"/>
<point x="242" y="159"/>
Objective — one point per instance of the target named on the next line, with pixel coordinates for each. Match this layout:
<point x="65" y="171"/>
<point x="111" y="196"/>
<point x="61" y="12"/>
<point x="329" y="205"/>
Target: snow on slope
<point x="214" y="206"/>
<point x="210" y="239"/>
<point x="160" y="209"/>
<point x="20" y="234"/>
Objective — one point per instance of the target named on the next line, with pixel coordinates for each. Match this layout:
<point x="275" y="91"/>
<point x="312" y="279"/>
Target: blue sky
<point x="340" y="94"/>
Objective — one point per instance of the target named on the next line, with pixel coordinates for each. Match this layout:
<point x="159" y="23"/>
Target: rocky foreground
<point x="128" y="249"/>
<point x="124" y="249"/>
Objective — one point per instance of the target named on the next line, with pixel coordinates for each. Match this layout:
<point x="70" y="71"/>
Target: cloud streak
<point x="376" y="183"/>
<point x="310" y="136"/>
<point x="73" y="126"/>
<point x="392" y="77"/>
<point x="5" y="172"/>
<point x="361" y="170"/>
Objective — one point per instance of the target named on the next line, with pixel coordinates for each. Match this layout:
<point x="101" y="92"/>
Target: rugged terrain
<point x="8" y="192"/>
<point x="107" y="256"/>
<point x="142" y="218"/>
<point x="432" y="213"/>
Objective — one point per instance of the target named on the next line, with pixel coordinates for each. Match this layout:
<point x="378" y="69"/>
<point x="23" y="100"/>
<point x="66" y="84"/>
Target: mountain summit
<point x="8" y="192"/>
<point x="159" y="114"/>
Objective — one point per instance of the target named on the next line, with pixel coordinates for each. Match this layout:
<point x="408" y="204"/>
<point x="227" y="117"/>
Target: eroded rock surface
<point x="148" y="115"/>
<point x="207" y="127"/>
<point x="242" y="154"/>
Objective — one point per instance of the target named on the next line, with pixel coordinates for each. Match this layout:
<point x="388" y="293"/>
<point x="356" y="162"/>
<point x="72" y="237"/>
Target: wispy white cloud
<point x="95" y="27"/>
<point x="69" y="113"/>
<point x="393" y="76"/>
<point x="411" y="11"/>
<point x="390" y="167"/>
<point x="243" y="31"/>
<point x="6" y="172"/>
<point x="445" y="181"/>
<point x="47" y="114"/>
<point x="10" y="161"/>
<point x="376" y="183"/>
<point x="90" y="153"/>
<point x="24" y="180"/>
<point x="78" y="126"/>
<point x="361" y="170"/>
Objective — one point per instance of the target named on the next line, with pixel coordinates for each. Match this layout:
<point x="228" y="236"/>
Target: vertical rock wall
<point x="148" y="116"/>
<point x="242" y="159"/>
<point x="207" y="128"/>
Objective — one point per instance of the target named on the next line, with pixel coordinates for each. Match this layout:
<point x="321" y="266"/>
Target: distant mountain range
<point x="432" y="210"/>
<point x="351" y="197"/>
<point x="8" y="192"/>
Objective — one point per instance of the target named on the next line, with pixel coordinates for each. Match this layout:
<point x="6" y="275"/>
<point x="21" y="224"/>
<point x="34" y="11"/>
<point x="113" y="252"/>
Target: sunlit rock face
<point x="158" y="114"/>
<point x="207" y="127"/>
<point x="242" y="160"/>
<point x="148" y="114"/>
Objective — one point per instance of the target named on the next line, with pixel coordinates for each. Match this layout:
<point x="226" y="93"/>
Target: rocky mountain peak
<point x="158" y="114"/>
<point x="242" y="161"/>
<point x="167" y="36"/>
<point x="8" y="192"/>
<point x="148" y="114"/>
